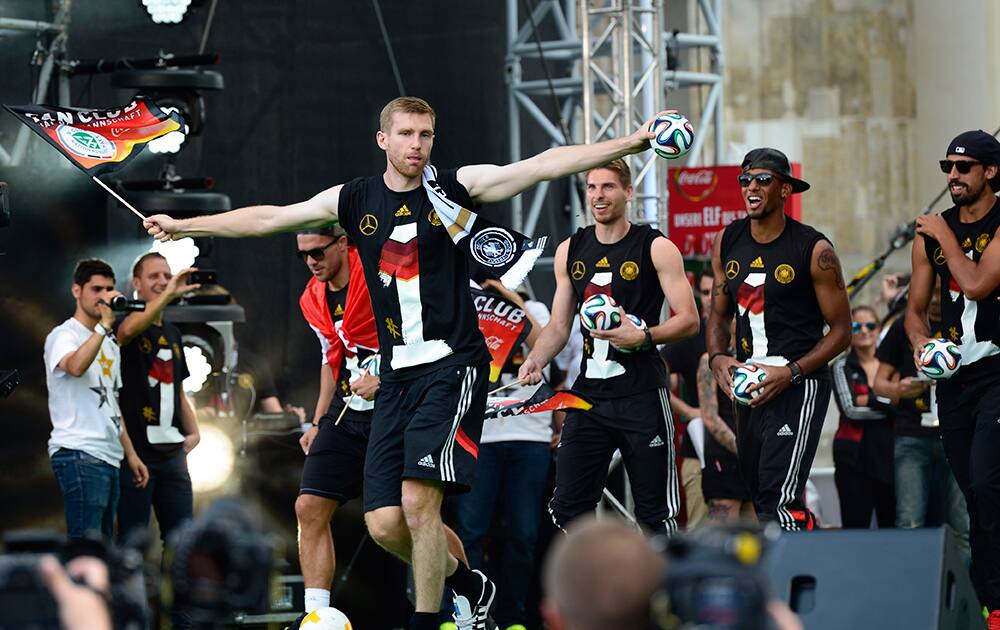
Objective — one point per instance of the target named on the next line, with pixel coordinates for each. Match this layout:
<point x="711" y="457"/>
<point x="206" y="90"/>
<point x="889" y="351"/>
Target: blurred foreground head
<point x="601" y="575"/>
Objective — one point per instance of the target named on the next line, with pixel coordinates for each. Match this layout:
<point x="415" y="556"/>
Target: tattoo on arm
<point x="708" y="402"/>
<point x="720" y="337"/>
<point x="828" y="262"/>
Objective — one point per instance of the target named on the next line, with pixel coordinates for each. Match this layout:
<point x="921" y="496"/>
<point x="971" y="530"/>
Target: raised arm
<point x="977" y="280"/>
<point x="489" y="182"/>
<point x="555" y="334"/>
<point x="316" y="212"/>
<point x="135" y="323"/>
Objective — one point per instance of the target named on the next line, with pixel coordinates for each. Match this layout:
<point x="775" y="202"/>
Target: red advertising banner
<point x="704" y="201"/>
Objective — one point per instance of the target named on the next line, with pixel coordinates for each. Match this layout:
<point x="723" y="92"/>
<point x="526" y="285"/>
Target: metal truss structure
<point x="598" y="69"/>
<point x="50" y="53"/>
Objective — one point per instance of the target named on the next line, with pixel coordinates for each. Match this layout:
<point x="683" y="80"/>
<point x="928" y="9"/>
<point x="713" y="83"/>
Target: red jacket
<point x="357" y="328"/>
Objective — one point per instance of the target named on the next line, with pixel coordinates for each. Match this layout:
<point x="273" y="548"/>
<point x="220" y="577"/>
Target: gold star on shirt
<point x="106" y="364"/>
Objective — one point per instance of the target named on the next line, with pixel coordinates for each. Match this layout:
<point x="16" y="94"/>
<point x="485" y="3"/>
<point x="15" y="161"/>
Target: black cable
<point x="347" y="571"/>
<point x="388" y="47"/>
<point x="208" y="27"/>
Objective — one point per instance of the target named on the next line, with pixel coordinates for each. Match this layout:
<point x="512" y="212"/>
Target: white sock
<point x="317" y="598"/>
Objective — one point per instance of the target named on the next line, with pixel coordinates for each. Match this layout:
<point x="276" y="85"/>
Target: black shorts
<point x="335" y="466"/>
<point x="427" y="427"/>
<point x="720" y="478"/>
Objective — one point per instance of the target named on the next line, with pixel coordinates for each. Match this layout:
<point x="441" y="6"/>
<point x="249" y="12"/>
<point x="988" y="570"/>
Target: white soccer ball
<point x="600" y="312"/>
<point x="940" y="359"/>
<point x="326" y="619"/>
<point x="674" y="135"/>
<point x="372" y="363"/>
<point x="639" y="323"/>
<point x="743" y="377"/>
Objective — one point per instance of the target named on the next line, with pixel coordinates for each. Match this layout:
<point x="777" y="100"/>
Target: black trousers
<point x="861" y="492"/>
<point x="642" y="427"/>
<point x="776" y="444"/>
<point x="970" y="433"/>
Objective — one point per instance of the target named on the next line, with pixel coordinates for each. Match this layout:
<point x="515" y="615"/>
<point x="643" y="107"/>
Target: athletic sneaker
<point x="473" y="616"/>
<point x="992" y="622"/>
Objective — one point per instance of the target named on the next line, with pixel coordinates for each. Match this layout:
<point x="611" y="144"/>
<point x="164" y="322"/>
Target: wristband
<point x="716" y="354"/>
<point x="649" y="338"/>
<point x="101" y="329"/>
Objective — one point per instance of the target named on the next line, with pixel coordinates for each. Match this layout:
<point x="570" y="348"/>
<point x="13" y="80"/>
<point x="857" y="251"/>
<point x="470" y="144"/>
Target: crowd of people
<point x="399" y="420"/>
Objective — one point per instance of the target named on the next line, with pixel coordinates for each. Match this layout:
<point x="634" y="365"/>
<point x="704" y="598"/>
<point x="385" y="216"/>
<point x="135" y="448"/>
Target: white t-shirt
<point x="84" y="410"/>
<point x="535" y="427"/>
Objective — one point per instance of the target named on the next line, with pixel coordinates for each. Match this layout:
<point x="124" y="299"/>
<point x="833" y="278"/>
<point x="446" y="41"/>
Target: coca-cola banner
<point x="705" y="200"/>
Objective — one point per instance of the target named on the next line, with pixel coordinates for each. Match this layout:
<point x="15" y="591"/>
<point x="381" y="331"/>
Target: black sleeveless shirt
<point x="623" y="270"/>
<point x="418" y="279"/>
<point x="778" y="319"/>
<point x="973" y="324"/>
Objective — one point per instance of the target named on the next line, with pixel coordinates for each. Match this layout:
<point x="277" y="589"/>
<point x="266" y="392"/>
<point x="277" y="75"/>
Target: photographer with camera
<point x="157" y="413"/>
<point x="83" y="375"/>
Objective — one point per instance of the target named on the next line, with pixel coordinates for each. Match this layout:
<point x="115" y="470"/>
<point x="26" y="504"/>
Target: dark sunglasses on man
<point x="316" y="254"/>
<point x="963" y="166"/>
<point x="764" y="179"/>
<point x="856" y="326"/>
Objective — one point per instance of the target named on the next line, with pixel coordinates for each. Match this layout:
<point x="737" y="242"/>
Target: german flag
<point x="99" y="140"/>
<point x="544" y="399"/>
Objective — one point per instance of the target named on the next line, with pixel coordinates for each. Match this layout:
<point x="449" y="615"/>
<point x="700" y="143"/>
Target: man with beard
<point x="620" y="368"/>
<point x="960" y="246"/>
<point x="83" y="376"/>
<point x="782" y="281"/>
<point x="432" y="396"/>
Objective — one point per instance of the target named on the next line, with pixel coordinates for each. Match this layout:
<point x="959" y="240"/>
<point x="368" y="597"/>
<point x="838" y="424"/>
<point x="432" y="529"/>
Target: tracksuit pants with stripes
<point x="776" y="444"/>
<point x="642" y="428"/>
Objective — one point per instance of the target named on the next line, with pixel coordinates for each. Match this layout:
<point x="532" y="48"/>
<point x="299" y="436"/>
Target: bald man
<point x="601" y="575"/>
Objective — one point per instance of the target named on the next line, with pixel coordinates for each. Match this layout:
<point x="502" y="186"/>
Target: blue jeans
<point x="512" y="475"/>
<point x="90" y="492"/>
<point x="168" y="493"/>
<point x="926" y="490"/>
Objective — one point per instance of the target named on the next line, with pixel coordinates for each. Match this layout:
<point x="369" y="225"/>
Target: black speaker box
<point x="883" y="578"/>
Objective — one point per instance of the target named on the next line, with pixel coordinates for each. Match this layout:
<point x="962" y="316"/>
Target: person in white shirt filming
<point x="83" y="375"/>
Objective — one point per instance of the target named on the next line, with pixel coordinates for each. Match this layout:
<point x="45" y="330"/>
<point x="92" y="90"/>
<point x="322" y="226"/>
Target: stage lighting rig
<point x="173" y="90"/>
<point x="168" y="11"/>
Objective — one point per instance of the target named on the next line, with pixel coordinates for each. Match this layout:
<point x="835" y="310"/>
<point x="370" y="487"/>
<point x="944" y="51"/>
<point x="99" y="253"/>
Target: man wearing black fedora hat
<point x="961" y="247"/>
<point x="782" y="281"/>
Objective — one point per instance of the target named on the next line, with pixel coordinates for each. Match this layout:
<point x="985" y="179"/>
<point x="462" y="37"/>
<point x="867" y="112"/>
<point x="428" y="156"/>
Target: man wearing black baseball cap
<point x="961" y="247"/>
<point x="782" y="281"/>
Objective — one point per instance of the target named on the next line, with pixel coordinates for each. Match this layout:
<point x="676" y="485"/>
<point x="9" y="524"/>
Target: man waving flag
<point x="99" y="140"/>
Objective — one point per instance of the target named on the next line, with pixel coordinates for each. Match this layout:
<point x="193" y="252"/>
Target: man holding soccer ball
<point x="432" y="397"/>
<point x="960" y="245"/>
<point x="782" y="281"/>
<point x="620" y="370"/>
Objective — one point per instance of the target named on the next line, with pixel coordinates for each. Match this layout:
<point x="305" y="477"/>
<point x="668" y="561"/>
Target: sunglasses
<point x="316" y="254"/>
<point x="856" y="326"/>
<point x="963" y="166"/>
<point x="764" y="179"/>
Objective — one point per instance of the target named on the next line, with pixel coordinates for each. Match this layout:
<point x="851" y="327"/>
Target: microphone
<point x="122" y="304"/>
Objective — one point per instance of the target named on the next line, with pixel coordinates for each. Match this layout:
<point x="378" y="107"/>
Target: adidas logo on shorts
<point x="785" y="431"/>
<point x="657" y="441"/>
<point x="426" y="461"/>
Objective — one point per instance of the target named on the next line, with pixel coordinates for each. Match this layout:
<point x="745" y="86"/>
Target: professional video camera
<point x="714" y="581"/>
<point x="25" y="601"/>
<point x="220" y="564"/>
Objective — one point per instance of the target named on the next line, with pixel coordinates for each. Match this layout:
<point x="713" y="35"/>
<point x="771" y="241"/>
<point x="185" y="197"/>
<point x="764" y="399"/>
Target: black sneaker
<point x="474" y="615"/>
